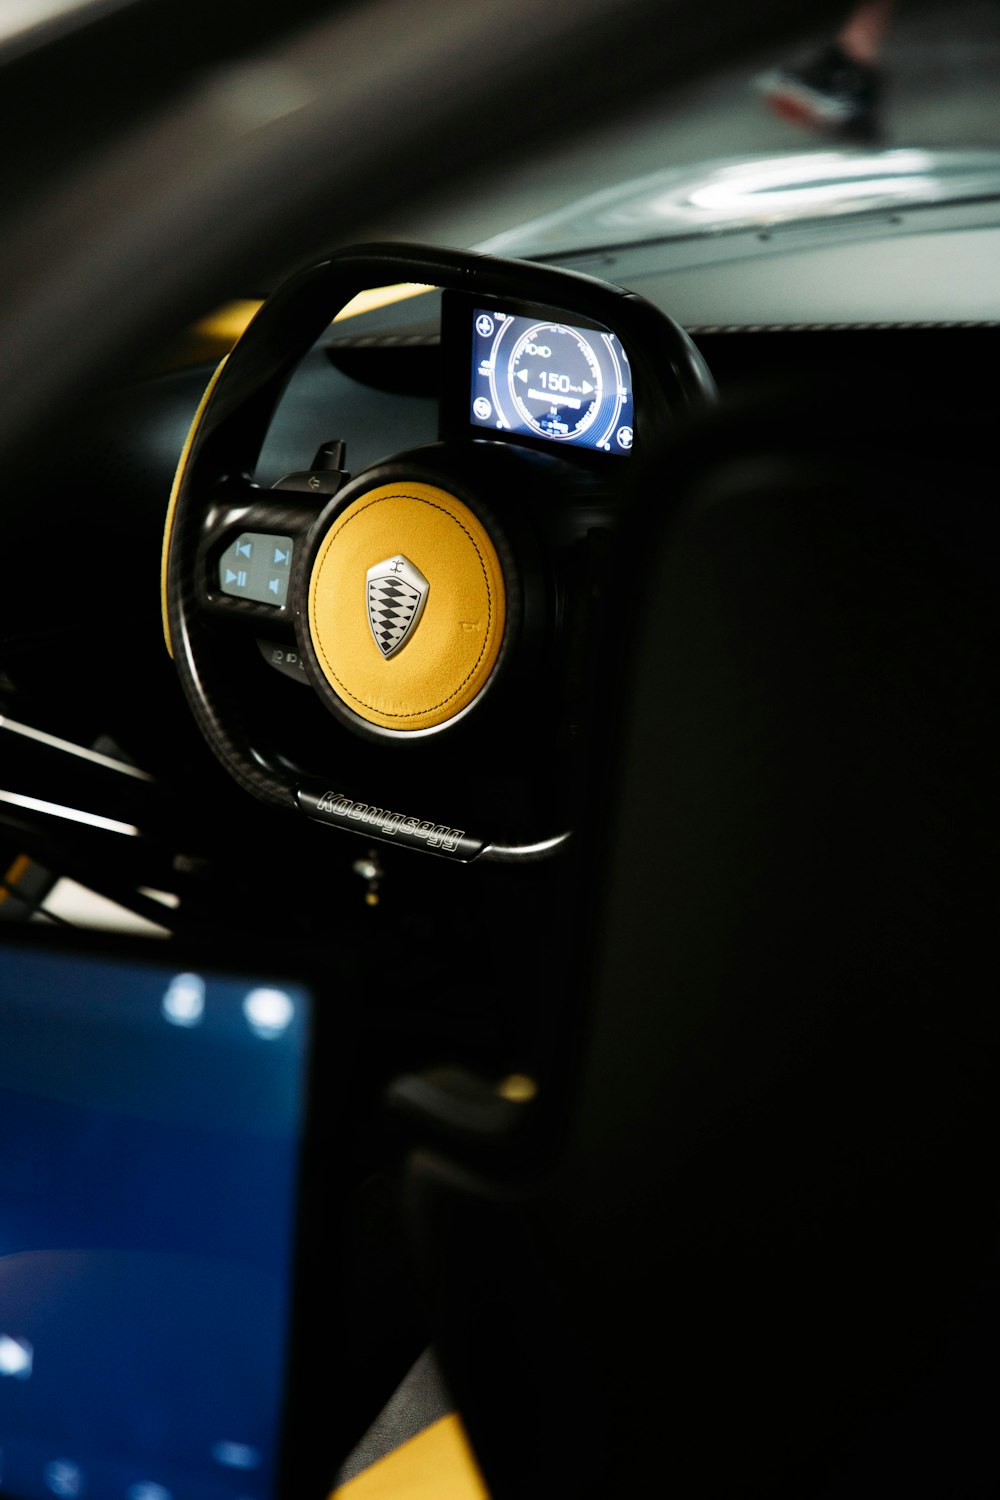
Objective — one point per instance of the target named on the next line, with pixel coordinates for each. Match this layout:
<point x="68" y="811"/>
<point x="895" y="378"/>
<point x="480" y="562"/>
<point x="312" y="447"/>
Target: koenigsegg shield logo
<point x="397" y="593"/>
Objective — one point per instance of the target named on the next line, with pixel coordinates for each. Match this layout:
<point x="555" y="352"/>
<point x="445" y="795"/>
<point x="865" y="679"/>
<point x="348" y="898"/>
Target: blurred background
<point x="940" y="67"/>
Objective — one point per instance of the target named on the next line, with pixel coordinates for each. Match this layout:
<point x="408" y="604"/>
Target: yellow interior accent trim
<point x="172" y="503"/>
<point x="437" y="1464"/>
<point x="13" y="875"/>
<point x="446" y="663"/>
<point x="213" y="336"/>
<point x="518" y="1088"/>
<point x="381" y="296"/>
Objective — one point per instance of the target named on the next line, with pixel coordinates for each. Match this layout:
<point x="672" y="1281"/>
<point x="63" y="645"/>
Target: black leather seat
<point x="749" y="1222"/>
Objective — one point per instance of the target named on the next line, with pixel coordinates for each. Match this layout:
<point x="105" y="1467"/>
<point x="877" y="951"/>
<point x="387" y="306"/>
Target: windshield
<point x="893" y="106"/>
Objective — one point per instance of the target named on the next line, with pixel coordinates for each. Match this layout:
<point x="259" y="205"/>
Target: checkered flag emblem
<point x="397" y="592"/>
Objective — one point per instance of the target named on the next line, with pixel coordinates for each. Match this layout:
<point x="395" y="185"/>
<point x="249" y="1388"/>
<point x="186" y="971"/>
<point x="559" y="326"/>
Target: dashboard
<point x="401" y="382"/>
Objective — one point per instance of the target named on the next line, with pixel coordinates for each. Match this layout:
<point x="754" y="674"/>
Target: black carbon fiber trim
<point x="391" y="340"/>
<point x="697" y="330"/>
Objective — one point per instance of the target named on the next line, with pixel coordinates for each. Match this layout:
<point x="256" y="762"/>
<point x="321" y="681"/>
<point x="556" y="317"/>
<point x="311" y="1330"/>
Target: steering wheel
<point x="438" y="606"/>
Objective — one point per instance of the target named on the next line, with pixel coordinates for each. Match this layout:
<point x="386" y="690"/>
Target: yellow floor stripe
<point x="437" y="1464"/>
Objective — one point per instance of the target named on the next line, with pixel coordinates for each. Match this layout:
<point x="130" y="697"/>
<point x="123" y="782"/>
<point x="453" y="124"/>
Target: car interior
<point x="498" y="791"/>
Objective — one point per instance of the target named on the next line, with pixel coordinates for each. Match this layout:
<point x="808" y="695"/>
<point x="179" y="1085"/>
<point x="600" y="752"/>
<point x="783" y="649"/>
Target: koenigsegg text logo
<point x="396" y="593"/>
<point x="435" y="835"/>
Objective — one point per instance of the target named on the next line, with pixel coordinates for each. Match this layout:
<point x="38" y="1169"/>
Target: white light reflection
<point x="184" y="1002"/>
<point x="20" y="16"/>
<point x="147" y="1489"/>
<point x="268" y="1012"/>
<point x="236" y="1455"/>
<point x="16" y="1357"/>
<point x="779" y="185"/>
<point x="73" y="814"/>
<point x="65" y="1478"/>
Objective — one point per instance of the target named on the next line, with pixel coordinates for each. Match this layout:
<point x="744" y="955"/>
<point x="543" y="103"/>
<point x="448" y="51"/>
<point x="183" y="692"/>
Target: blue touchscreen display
<point x="535" y="378"/>
<point x="149" y="1128"/>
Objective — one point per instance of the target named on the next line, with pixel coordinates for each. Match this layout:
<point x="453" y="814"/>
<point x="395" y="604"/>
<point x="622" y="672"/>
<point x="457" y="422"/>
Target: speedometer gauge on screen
<point x="554" y="381"/>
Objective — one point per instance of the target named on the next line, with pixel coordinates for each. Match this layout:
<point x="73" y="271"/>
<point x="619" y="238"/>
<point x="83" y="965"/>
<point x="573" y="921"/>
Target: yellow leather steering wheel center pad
<point x="447" y="659"/>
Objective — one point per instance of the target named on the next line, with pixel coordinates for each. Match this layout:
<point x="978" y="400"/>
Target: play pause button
<point x="257" y="566"/>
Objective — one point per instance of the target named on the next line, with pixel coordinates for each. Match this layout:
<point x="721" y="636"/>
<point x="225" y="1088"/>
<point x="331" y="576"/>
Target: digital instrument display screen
<point x="564" y="384"/>
<point x="148" y="1162"/>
